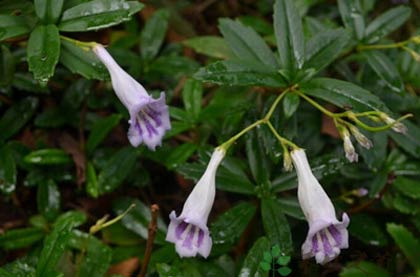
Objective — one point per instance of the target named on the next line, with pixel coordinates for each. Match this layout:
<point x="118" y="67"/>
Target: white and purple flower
<point x="149" y="117"/>
<point x="189" y="231"/>
<point x="326" y="236"/>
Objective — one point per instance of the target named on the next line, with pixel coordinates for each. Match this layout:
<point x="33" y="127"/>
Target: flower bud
<point x="361" y="138"/>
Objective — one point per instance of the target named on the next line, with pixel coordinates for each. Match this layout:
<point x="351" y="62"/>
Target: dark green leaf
<point x="375" y="157"/>
<point x="408" y="187"/>
<point x="251" y="265"/>
<point x="98" y="14"/>
<point x="116" y="169"/>
<point x="408" y="244"/>
<point x="291" y="207"/>
<point x="7" y="170"/>
<point x="16" y="117"/>
<point x="82" y="62"/>
<point x="409" y="141"/>
<point x="239" y="73"/>
<point x="246" y="44"/>
<point x="230" y="225"/>
<point x="258" y="162"/>
<point x="7" y="66"/>
<point x="211" y="46"/>
<point x="265" y="266"/>
<point x="385" y="69"/>
<point x="284" y="271"/>
<point x="290" y="104"/>
<point x="153" y="34"/>
<point x="352" y="16"/>
<point x="289" y="35"/>
<point x="12" y="26"/>
<point x="362" y="268"/>
<point x="92" y="187"/>
<point x="48" y="10"/>
<point x="48" y="200"/>
<point x="179" y="155"/>
<point x="47" y="157"/>
<point x="370" y="234"/>
<point x="386" y="23"/>
<point x="100" y="130"/>
<point x="378" y="183"/>
<point x="20" y="238"/>
<point x="283" y="260"/>
<point x="276" y="226"/>
<point x="191" y="96"/>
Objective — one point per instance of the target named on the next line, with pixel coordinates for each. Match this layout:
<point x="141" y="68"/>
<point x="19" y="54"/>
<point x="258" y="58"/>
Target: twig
<point x="154" y="209"/>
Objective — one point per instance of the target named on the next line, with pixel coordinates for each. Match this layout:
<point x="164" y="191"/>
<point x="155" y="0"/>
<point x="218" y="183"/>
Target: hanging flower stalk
<point x="149" y="118"/>
<point x="326" y="234"/>
<point x="189" y="231"/>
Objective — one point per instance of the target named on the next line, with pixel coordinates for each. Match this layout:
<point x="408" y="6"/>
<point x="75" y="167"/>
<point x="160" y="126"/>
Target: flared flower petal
<point x="149" y="117"/>
<point x="189" y="231"/>
<point x="326" y="236"/>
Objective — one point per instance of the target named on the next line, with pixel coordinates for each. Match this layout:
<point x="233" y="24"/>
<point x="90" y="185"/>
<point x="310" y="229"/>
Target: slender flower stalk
<point x="149" y="118"/>
<point x="189" y="231"/>
<point x="326" y="236"/>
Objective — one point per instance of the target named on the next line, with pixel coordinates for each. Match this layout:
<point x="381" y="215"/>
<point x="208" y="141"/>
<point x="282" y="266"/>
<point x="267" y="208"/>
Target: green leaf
<point x="246" y="44"/>
<point x="48" y="157"/>
<point x="250" y="266"/>
<point x="92" y="187"/>
<point x="81" y="61"/>
<point x="370" y="234"/>
<point x="7" y="170"/>
<point x="258" y="162"/>
<point x="211" y="46"/>
<point x="153" y="34"/>
<point x="352" y="16"/>
<point x="116" y="169"/>
<point x="343" y="94"/>
<point x="408" y="244"/>
<point x="323" y="48"/>
<point x="291" y="207"/>
<point x="48" y="199"/>
<point x="284" y="271"/>
<point x="16" y="117"/>
<point x="276" y="226"/>
<point x="386" y="23"/>
<point x="408" y="187"/>
<point x="138" y="219"/>
<point x="283" y="260"/>
<point x="100" y="130"/>
<point x="20" y="238"/>
<point x="229" y="226"/>
<point x="265" y="266"/>
<point x="191" y="96"/>
<point x="12" y="26"/>
<point x="378" y="183"/>
<point x="290" y="104"/>
<point x="179" y="155"/>
<point x="289" y="35"/>
<point x="362" y="268"/>
<point x="385" y="69"/>
<point x="98" y="14"/>
<point x="48" y="10"/>
<point x="409" y="141"/>
<point x="7" y="66"/>
<point x="43" y="52"/>
<point x="239" y="73"/>
<point x="56" y="241"/>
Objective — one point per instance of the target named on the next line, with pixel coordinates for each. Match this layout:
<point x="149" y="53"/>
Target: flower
<point x="149" y="118"/>
<point x="326" y="234"/>
<point x="189" y="231"/>
<point x="351" y="154"/>
<point x="396" y="126"/>
<point x="361" y="138"/>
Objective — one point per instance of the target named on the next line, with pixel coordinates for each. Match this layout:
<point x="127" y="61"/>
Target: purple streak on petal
<point x="155" y="116"/>
<point x="326" y="243"/>
<point x="188" y="241"/>
<point x="138" y="127"/>
<point x="151" y="130"/>
<point x="200" y="237"/>
<point x="180" y="229"/>
<point x="315" y="246"/>
<point x="335" y="234"/>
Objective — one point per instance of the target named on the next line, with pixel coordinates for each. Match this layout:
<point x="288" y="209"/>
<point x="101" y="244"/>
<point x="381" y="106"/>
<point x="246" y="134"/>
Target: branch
<point x="154" y="209"/>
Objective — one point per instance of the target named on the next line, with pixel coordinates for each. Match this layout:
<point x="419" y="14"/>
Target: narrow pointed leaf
<point x="352" y="16"/>
<point x="153" y="34"/>
<point x="48" y="10"/>
<point x="251" y="264"/>
<point x="12" y="26"/>
<point x="408" y="244"/>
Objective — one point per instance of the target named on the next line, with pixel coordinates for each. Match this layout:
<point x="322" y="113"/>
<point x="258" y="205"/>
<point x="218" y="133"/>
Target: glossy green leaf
<point x="48" y="157"/>
<point x="370" y="234"/>
<point x="352" y="16"/>
<point x="92" y="187"/>
<point x="100" y="130"/>
<point x="138" y="219"/>
<point x="407" y="186"/>
<point x="7" y="66"/>
<point x="375" y="157"/>
<point x="257" y="160"/>
<point x="153" y="34"/>
<point x="290" y="104"/>
<point x="229" y="226"/>
<point x="48" y="10"/>
<point x="211" y="46"/>
<point x="48" y="199"/>
<point x="343" y="94"/>
<point x="56" y="241"/>
<point x="12" y="26"/>
<point x="409" y="141"/>
<point x="81" y="61"/>
<point x="20" y="238"/>
<point x="43" y="52"/>
<point x="289" y="35"/>
<point x="8" y="170"/>
<point x="239" y="73"/>
<point x="363" y="268"/>
<point x="386" y="23"/>
<point x="116" y="169"/>
<point x="180" y="155"/>
<point x="191" y="96"/>
<point x="251" y="264"/>
<point x="291" y="207"/>
<point x="408" y="244"/>
<point x="16" y="117"/>
<point x="98" y="14"/>
<point x="323" y="48"/>
<point x="276" y="226"/>
<point x="385" y="69"/>
<point x="246" y="44"/>
<point x="378" y="183"/>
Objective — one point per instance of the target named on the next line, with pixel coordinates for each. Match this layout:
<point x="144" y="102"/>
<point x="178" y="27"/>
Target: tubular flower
<point x="189" y="231"/>
<point x="326" y="234"/>
<point x="351" y="154"/>
<point x="149" y="118"/>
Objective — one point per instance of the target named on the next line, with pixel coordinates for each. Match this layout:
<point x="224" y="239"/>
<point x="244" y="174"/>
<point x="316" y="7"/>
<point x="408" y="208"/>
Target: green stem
<point x="102" y="223"/>
<point x="282" y="140"/>
<point x="274" y="105"/>
<point x="84" y="45"/>
<point x="318" y="106"/>
<point x="379" y="128"/>
<point x="382" y="46"/>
